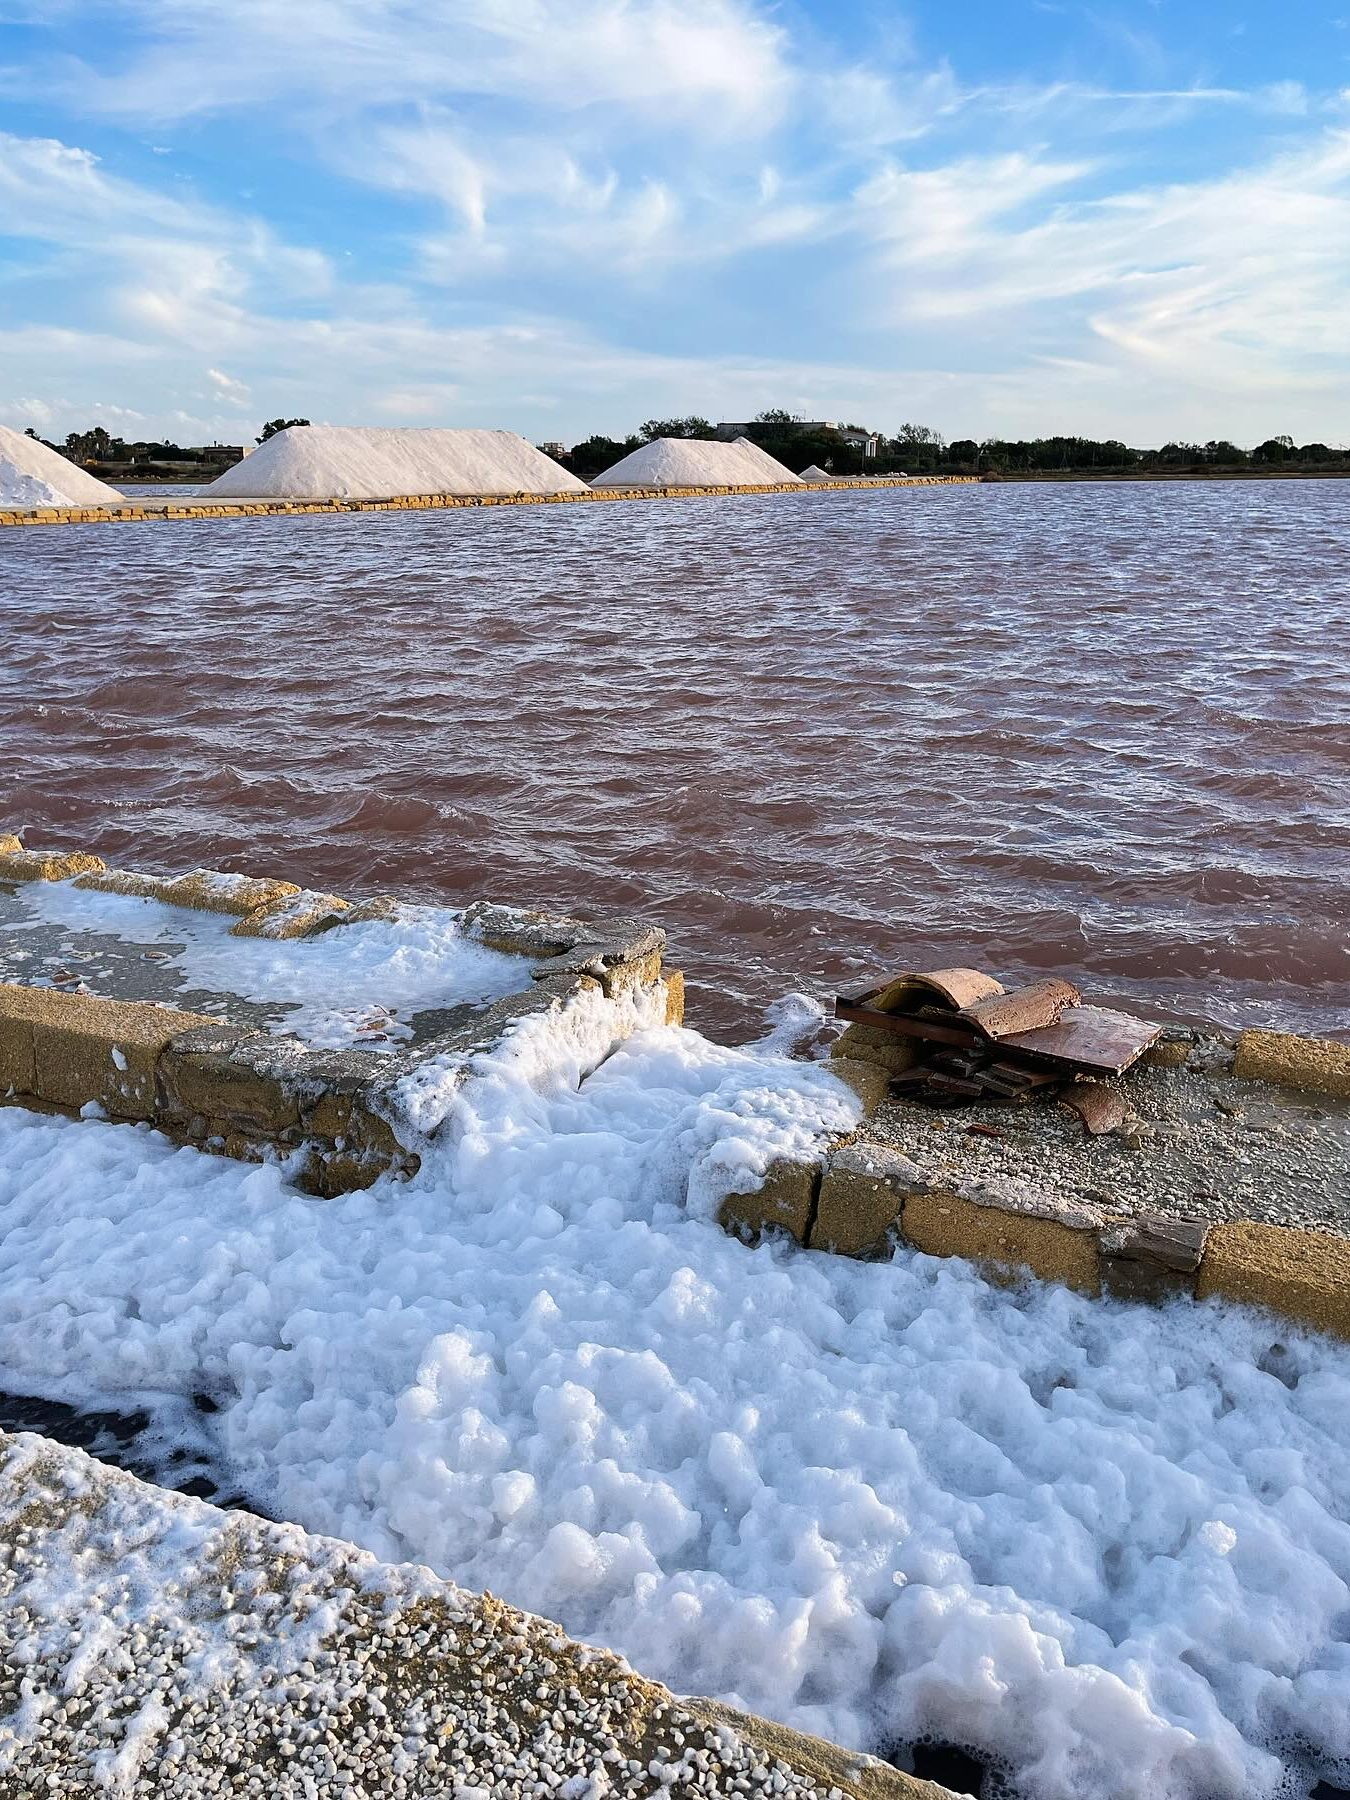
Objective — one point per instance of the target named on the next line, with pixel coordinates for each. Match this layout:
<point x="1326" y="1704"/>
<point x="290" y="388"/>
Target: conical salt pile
<point x="32" y="475"/>
<point x="816" y="473"/>
<point x="696" y="463"/>
<point x="352" y="462"/>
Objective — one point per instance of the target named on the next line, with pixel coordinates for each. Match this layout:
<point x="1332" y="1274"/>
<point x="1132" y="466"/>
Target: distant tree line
<point x="920" y="450"/>
<point x="916" y="449"/>
<point x="97" y="449"/>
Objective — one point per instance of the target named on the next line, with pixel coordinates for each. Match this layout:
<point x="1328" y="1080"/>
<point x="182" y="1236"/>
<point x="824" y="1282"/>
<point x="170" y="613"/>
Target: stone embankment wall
<point x="142" y="510"/>
<point x="861" y="1197"/>
<point x="250" y="1094"/>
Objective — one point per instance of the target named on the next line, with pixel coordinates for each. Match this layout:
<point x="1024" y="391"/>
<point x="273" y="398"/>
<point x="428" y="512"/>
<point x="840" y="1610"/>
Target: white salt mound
<point x="355" y="462"/>
<point x="33" y="475"/>
<point x="816" y="473"/>
<point x="693" y="462"/>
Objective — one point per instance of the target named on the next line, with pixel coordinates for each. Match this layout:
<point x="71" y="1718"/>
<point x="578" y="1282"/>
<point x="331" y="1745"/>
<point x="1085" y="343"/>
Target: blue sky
<point x="1128" y="218"/>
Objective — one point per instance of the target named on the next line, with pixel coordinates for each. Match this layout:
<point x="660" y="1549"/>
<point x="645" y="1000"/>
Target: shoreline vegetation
<point x="840" y="449"/>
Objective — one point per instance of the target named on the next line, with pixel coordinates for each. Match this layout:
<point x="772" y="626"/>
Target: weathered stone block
<point x="868" y="1080"/>
<point x="1166" y="1056"/>
<point x="524" y="933"/>
<point x="1152" y="1258"/>
<point x="69" y="1049"/>
<point x="105" y="1050"/>
<point x="10" y="845"/>
<point x="784" y="1201"/>
<point x="623" y="977"/>
<point x="674" y="980"/>
<point x="130" y="882"/>
<point x="1317" y="1065"/>
<point x="34" y="865"/>
<point x="299" y="915"/>
<point x="18" y="1009"/>
<point x="863" y="1193"/>
<point x="381" y="909"/>
<point x="946" y="1224"/>
<point x="210" y="890"/>
<point x="1304" y="1275"/>
<point x="864" y="1043"/>
<point x="349" y="1121"/>
<point x="211" y="1072"/>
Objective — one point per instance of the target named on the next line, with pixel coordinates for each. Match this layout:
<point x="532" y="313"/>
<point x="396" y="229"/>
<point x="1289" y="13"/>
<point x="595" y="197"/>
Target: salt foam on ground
<point x="694" y="462"/>
<point x="334" y="982"/>
<point x="33" y="475"/>
<point x="351" y="462"/>
<point x="1106" y="1545"/>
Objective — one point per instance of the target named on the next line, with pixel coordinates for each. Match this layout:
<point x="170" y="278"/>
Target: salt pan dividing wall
<point x="33" y="475"/>
<point x="354" y="462"/>
<point x="697" y="463"/>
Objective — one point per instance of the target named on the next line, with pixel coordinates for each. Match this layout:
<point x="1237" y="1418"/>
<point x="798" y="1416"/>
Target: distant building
<point x="868" y="442"/>
<point x="228" y="454"/>
<point x="553" y="448"/>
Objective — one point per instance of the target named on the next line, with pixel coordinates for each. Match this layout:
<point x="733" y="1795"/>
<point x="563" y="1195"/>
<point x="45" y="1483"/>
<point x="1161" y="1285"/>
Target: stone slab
<point x="34" y="865"/>
<point x="1305" y="1275"/>
<point x="784" y="1201"/>
<point x="1318" y="1065"/>
<point x="947" y="1224"/>
<point x="863" y="1191"/>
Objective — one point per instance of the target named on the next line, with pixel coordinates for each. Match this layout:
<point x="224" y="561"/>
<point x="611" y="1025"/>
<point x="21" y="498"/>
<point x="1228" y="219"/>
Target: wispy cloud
<point x="571" y="217"/>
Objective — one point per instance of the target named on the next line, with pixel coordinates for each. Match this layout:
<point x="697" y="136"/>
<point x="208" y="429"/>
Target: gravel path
<point x="1199" y="1145"/>
<point x="151" y="1644"/>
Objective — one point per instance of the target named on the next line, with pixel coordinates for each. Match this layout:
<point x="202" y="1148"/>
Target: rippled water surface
<point x="1099" y="729"/>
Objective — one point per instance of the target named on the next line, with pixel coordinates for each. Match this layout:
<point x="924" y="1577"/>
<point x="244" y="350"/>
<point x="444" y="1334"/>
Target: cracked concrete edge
<point x="860" y="1199"/>
<point x="860" y="1777"/>
<point x="254" y="1095"/>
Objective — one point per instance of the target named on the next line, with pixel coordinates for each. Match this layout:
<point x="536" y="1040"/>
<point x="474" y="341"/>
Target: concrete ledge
<point x="1317" y="1065"/>
<point x="1305" y="1275"/>
<point x="337" y="1116"/>
<point x="949" y="1224"/>
<point x="145" y="511"/>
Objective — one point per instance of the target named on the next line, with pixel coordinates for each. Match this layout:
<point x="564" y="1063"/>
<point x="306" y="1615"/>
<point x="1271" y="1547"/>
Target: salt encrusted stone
<point x="211" y="890"/>
<point x="298" y="915"/>
<point x="199" y="1653"/>
<point x="35" y="865"/>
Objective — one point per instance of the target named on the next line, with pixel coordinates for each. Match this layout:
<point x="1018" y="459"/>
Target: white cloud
<point x="666" y="60"/>
<point x="237" y="392"/>
<point x="866" y="237"/>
